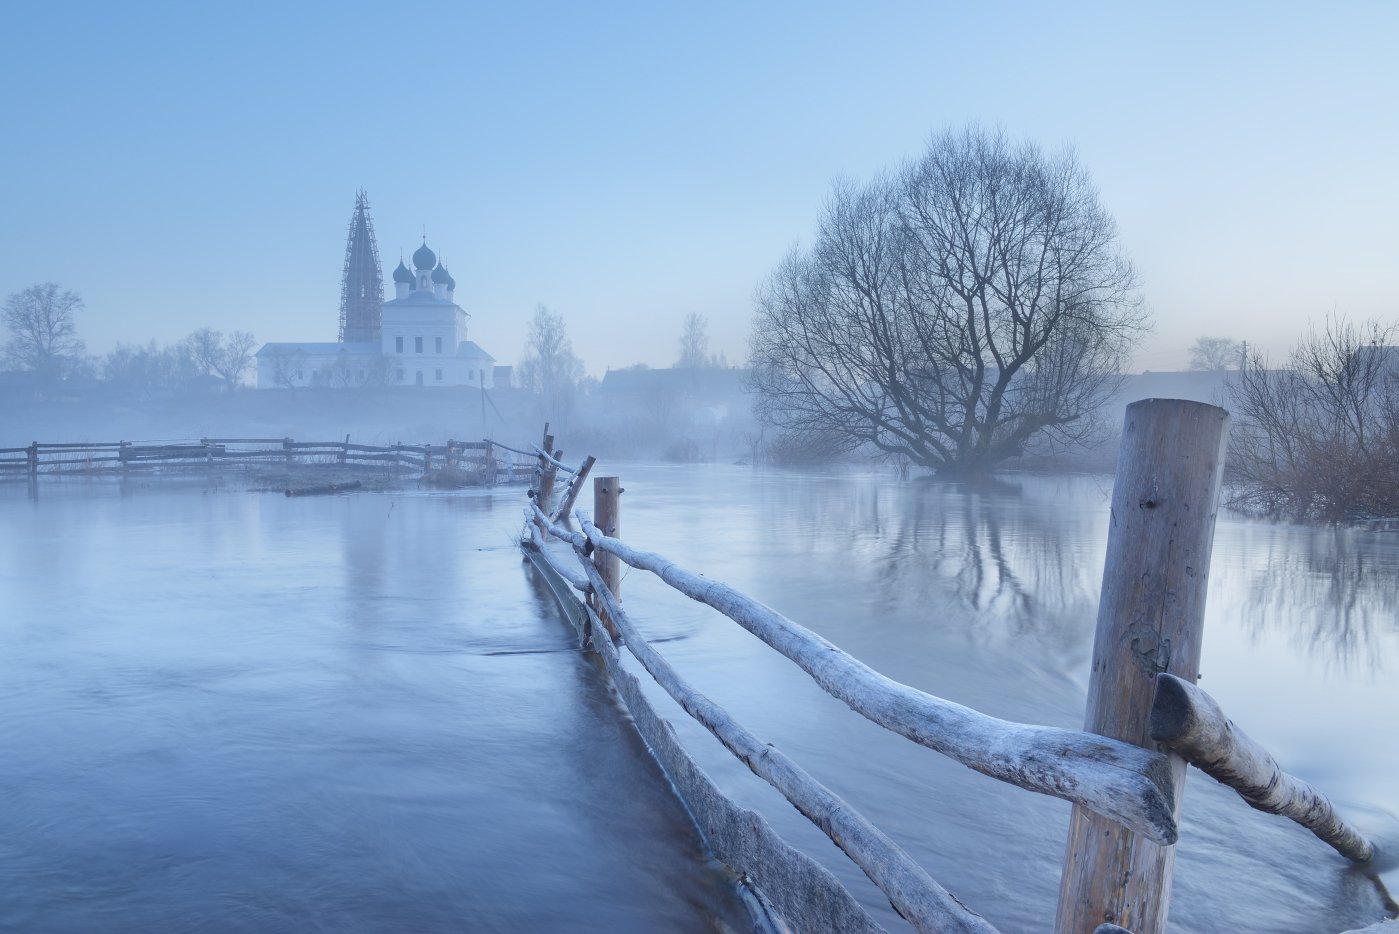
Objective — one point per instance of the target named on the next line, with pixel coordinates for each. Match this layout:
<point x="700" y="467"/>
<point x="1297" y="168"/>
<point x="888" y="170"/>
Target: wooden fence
<point x="458" y="462"/>
<point x="1124" y="772"/>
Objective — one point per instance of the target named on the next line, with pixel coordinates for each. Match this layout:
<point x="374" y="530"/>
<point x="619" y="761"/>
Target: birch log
<point x="1123" y="782"/>
<point x="915" y="895"/>
<point x="1190" y="721"/>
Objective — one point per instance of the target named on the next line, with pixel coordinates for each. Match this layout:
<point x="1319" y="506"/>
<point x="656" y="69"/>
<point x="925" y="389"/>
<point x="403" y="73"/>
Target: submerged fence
<point x="1123" y="773"/>
<point x="462" y="462"/>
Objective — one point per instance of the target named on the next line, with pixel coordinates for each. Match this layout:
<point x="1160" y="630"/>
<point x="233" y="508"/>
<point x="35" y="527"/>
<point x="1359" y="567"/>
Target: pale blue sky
<point x="184" y="165"/>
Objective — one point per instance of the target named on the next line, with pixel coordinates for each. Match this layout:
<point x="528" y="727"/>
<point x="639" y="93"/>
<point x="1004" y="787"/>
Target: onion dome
<point x="423" y="258"/>
<point x="451" y="283"/>
<point x="439" y="275"/>
<point x="401" y="274"/>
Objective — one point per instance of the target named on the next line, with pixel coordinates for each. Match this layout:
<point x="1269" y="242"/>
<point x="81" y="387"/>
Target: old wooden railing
<point x="1123" y="773"/>
<point x="486" y="461"/>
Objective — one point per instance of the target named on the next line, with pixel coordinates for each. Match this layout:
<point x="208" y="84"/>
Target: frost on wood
<point x="804" y="893"/>
<point x="1120" y="781"/>
<point x="912" y="892"/>
<point x="1192" y="723"/>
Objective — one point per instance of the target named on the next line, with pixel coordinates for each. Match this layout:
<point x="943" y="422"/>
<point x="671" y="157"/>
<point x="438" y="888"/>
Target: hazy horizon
<point x="630" y="165"/>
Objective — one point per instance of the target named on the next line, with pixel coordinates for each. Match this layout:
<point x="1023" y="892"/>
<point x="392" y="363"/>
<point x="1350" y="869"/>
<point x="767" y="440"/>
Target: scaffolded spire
<point x="362" y="288"/>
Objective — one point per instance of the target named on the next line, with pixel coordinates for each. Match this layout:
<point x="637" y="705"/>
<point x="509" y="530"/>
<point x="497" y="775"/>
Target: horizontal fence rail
<point x="475" y="461"/>
<point x="915" y="895"/>
<point x="1127" y="783"/>
<point x="806" y="895"/>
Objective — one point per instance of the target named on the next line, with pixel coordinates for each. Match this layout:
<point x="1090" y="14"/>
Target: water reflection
<point x="988" y="558"/>
<point x="1331" y="591"/>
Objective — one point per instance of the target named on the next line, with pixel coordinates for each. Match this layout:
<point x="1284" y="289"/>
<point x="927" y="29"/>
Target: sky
<point x="627" y="164"/>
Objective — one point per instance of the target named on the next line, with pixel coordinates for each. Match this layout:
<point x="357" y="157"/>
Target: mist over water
<point x="238" y="711"/>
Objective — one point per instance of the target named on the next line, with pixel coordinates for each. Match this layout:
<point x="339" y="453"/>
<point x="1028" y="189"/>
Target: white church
<point x="417" y="338"/>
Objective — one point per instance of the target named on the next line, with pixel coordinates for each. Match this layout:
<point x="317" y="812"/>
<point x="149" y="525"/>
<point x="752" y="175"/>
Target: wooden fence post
<point x="544" y="482"/>
<point x="607" y="516"/>
<point x="32" y="456"/>
<point x="345" y="449"/>
<point x="1150" y="618"/>
<point x="123" y="453"/>
<point x="286" y="448"/>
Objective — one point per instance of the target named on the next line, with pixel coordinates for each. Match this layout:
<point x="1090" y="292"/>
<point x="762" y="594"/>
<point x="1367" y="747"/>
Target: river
<point x="227" y="711"/>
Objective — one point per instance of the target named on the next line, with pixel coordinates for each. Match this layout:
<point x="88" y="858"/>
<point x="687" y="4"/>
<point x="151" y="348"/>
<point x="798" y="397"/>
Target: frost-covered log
<point x="1127" y="783"/>
<point x="554" y="460"/>
<point x="575" y="578"/>
<point x="570" y="495"/>
<point x="806" y="895"/>
<point x="915" y="895"/>
<point x="1191" y="722"/>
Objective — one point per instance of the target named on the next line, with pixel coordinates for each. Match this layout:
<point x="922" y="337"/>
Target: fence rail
<point x="457" y="462"/>
<point x="1133" y="787"/>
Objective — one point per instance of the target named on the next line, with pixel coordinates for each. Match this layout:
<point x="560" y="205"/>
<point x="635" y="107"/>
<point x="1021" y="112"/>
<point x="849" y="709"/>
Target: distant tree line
<point x="42" y="338"/>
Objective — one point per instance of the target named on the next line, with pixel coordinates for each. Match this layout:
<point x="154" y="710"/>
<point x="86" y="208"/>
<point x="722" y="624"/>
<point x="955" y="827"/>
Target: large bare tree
<point x="1216" y="353"/>
<point x="43" y="336"/>
<point x="950" y="312"/>
<point x="549" y="366"/>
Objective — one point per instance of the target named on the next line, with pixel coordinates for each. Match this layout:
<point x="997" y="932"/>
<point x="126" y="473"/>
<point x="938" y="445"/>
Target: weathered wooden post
<point x="286" y="451"/>
<point x="607" y="516"/>
<point x="32" y="456"/>
<point x="451" y="455"/>
<point x="544" y="481"/>
<point x="123" y="454"/>
<point x="345" y="449"/>
<point x="1150" y="619"/>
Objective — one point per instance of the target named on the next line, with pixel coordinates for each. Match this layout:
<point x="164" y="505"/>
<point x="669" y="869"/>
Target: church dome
<point x="451" y="283"/>
<point x="401" y="274"/>
<point x="423" y="258"/>
<point x="439" y="275"/>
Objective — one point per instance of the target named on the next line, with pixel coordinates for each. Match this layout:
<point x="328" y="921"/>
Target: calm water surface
<point x="236" y="711"/>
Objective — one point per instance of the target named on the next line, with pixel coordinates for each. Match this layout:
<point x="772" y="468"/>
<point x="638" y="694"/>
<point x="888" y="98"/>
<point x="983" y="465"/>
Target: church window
<point x="439" y="376"/>
<point x="439" y="344"/>
<point x="398" y="345"/>
<point x="417" y="345"/>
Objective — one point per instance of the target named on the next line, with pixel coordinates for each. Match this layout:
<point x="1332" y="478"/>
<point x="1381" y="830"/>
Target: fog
<point x="223" y="708"/>
<point x="188" y="167"/>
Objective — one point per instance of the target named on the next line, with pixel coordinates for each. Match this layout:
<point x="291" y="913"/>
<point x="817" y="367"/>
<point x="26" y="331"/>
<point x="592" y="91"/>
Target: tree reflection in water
<point x="1332" y="591"/>
<point x="986" y="557"/>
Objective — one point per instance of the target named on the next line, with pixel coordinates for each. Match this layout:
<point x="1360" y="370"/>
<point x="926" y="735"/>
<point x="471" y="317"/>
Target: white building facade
<point x="422" y="342"/>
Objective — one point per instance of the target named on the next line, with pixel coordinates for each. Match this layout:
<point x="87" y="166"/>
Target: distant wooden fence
<point x="484" y="461"/>
<point x="1124" y="772"/>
